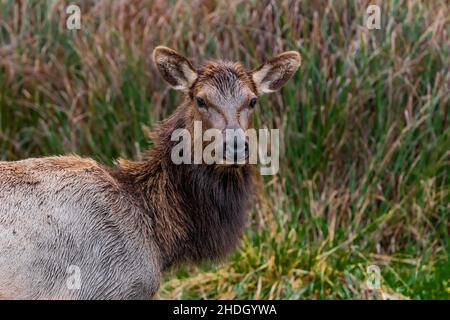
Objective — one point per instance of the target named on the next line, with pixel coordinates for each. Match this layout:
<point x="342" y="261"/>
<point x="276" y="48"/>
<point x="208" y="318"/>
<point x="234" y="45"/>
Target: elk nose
<point x="236" y="146"/>
<point x="235" y="152"/>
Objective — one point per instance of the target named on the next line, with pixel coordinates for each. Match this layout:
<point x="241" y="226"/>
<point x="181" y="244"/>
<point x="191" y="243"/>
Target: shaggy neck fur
<point x="196" y="212"/>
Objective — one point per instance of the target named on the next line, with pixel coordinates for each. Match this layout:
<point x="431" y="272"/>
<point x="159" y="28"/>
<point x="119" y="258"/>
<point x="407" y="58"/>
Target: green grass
<point x="364" y="168"/>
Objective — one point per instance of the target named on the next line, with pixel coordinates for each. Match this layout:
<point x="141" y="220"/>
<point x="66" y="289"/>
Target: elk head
<point x="223" y="95"/>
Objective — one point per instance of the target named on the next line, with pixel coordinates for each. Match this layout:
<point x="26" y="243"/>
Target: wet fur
<point x="122" y="226"/>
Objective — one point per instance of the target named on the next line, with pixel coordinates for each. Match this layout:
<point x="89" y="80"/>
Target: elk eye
<point x="200" y="102"/>
<point x="253" y="102"/>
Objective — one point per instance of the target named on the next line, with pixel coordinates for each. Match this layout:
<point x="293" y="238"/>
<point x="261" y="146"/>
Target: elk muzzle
<point x="236" y="147"/>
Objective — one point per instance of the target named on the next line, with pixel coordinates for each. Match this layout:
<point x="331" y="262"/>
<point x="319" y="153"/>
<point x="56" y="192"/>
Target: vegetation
<point x="364" y="169"/>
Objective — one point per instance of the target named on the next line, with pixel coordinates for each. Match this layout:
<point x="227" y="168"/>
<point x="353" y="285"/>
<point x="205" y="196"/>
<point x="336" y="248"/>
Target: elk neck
<point x="196" y="212"/>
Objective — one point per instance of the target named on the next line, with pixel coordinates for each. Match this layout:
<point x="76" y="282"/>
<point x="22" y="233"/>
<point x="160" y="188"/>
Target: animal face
<point x="223" y="95"/>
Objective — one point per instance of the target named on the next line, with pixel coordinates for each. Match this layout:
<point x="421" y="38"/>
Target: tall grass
<point x="364" y="176"/>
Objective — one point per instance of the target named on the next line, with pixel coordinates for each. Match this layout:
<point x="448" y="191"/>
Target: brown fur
<point x="198" y="210"/>
<point x="211" y="73"/>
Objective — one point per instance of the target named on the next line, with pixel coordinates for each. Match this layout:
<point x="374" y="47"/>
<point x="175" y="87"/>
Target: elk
<point x="119" y="228"/>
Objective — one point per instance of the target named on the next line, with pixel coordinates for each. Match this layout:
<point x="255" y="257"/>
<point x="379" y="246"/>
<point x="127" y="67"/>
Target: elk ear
<point x="274" y="74"/>
<point x="174" y="68"/>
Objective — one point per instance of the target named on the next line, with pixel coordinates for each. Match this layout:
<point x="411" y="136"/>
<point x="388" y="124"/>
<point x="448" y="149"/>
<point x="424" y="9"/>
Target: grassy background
<point x="364" y="175"/>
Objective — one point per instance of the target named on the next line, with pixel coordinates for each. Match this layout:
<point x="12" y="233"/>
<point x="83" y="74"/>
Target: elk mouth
<point x="236" y="153"/>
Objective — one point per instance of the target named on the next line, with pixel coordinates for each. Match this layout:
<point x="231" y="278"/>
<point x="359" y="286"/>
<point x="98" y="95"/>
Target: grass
<point x="364" y="169"/>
